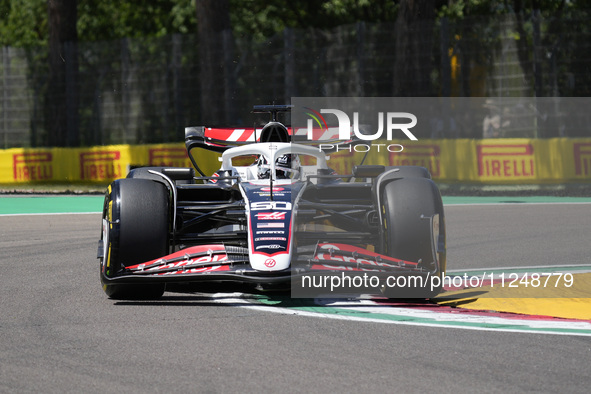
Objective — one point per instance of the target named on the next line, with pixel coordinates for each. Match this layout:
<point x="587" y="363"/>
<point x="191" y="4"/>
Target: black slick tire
<point x="407" y="205"/>
<point x="137" y="213"/>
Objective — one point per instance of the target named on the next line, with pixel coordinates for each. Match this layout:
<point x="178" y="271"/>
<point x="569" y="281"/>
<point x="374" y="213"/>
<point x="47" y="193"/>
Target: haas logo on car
<point x="271" y="216"/>
<point x="270" y="263"/>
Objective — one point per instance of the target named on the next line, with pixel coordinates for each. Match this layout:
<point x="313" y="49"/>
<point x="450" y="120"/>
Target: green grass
<point x="53" y="188"/>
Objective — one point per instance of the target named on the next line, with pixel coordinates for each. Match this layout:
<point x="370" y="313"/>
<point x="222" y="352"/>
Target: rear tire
<point x="137" y="210"/>
<point x="407" y="205"/>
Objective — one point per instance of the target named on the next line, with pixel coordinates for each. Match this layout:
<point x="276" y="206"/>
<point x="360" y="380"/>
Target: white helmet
<point x="286" y="167"/>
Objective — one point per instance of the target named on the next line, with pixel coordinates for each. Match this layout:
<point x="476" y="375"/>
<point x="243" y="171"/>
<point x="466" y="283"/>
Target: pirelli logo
<point x="506" y="161"/>
<point x="427" y="156"/>
<point x="100" y="165"/>
<point x="32" y="166"/>
<point x="582" y="157"/>
<point x="168" y="157"/>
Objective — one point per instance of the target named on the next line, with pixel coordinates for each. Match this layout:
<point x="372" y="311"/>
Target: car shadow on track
<point x="274" y="299"/>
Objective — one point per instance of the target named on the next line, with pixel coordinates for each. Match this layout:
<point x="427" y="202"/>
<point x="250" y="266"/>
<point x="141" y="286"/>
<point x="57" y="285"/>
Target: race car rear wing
<point x="219" y="139"/>
<point x="223" y="138"/>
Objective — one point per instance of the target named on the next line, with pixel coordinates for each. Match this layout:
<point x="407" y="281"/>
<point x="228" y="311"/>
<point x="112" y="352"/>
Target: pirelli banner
<point x="413" y="131"/>
<point x="495" y="161"/>
<point x="498" y="161"/>
<point x="90" y="165"/>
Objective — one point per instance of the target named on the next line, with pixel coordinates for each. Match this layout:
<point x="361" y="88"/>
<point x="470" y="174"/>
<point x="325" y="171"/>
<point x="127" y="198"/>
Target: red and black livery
<point x="266" y="223"/>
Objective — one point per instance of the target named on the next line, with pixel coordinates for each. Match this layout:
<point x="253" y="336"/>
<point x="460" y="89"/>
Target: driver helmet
<point x="286" y="167"/>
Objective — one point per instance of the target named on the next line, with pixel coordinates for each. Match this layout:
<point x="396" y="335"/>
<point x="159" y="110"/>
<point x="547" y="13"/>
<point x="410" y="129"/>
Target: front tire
<point x="135" y="230"/>
<point x="407" y="206"/>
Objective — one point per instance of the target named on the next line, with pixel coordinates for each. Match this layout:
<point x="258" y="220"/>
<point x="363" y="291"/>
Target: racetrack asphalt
<point x="59" y="332"/>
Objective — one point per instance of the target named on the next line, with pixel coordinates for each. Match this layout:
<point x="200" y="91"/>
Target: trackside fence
<point x="145" y="91"/>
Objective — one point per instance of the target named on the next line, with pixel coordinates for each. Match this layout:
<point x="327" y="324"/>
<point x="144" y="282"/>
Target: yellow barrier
<point x="501" y="161"/>
<point x="94" y="165"/>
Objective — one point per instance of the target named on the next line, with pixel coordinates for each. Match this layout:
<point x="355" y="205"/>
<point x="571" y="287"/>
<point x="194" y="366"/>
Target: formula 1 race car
<point x="274" y="216"/>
